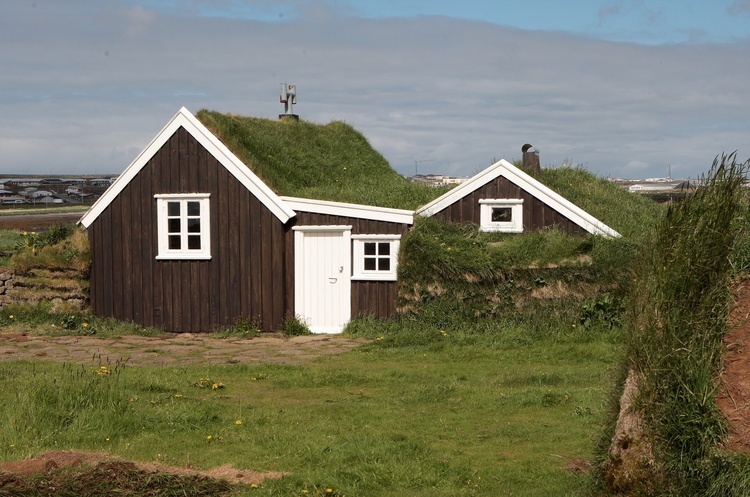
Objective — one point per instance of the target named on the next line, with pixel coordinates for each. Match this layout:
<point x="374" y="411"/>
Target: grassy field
<point x="448" y="418"/>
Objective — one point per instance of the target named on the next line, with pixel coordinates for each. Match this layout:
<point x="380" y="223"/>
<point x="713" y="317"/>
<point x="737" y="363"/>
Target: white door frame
<point x="322" y="276"/>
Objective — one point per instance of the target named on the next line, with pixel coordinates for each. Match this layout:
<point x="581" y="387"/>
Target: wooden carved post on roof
<point x="530" y="160"/>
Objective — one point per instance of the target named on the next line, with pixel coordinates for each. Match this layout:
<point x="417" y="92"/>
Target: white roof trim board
<point x="524" y="181"/>
<point x="358" y="211"/>
<point x="214" y="146"/>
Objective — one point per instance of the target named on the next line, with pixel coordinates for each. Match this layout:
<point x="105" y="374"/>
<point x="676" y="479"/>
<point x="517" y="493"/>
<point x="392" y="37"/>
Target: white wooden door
<point x="322" y="276"/>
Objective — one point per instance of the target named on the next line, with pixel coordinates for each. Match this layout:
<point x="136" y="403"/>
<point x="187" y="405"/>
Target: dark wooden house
<point x="188" y="239"/>
<point x="503" y="198"/>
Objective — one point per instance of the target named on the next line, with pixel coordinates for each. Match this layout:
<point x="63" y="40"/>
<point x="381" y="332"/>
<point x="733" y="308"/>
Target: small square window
<point x="504" y="215"/>
<point x="183" y="226"/>
<point x="375" y="257"/>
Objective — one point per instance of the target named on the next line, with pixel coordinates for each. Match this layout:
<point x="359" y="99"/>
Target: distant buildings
<point x="436" y="179"/>
<point x="39" y="190"/>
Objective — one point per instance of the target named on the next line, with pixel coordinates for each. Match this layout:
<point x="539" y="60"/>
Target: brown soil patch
<point x="734" y="397"/>
<point x="178" y="348"/>
<point x="50" y="461"/>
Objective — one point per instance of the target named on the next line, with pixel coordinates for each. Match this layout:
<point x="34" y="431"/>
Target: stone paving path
<point x="181" y="348"/>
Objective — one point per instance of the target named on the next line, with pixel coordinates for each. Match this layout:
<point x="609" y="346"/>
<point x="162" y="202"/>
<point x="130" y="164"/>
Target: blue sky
<point x="627" y="88"/>
<point x="638" y="21"/>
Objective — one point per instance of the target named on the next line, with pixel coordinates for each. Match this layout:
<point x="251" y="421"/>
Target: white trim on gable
<point x="532" y="186"/>
<point x="214" y="146"/>
<point x="358" y="211"/>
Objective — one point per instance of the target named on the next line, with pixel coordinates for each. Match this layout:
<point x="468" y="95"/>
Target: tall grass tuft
<point x="677" y="323"/>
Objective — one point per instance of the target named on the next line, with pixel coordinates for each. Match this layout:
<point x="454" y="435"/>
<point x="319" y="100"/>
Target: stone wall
<point x="64" y="289"/>
<point x="6" y="285"/>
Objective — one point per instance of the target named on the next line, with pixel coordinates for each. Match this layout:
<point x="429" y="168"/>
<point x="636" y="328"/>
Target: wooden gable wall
<point x="246" y="275"/>
<point x="376" y="298"/>
<point x="536" y="214"/>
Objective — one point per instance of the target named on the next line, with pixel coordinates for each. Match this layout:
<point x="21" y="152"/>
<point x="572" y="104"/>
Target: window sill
<point x="183" y="257"/>
<point x="374" y="277"/>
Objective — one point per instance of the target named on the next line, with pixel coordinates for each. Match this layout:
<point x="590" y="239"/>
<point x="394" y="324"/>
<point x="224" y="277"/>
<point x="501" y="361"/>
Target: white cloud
<point x="86" y="89"/>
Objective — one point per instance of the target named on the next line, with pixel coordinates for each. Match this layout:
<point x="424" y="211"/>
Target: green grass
<point x="633" y="216"/>
<point x="9" y="239"/>
<point x="38" y="320"/>
<point x="327" y="162"/>
<point x="446" y="418"/>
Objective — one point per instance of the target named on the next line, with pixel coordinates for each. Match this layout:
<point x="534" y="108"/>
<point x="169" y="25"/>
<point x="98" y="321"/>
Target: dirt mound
<point x="98" y="473"/>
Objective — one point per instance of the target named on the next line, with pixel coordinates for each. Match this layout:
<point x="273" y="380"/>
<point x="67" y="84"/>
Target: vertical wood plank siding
<point x="536" y="214"/>
<point x="247" y="273"/>
<point x="377" y="298"/>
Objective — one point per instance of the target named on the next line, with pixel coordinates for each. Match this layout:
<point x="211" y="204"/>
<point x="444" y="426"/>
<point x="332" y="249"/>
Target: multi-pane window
<point x="183" y="226"/>
<point x="504" y="215"/>
<point x="375" y="257"/>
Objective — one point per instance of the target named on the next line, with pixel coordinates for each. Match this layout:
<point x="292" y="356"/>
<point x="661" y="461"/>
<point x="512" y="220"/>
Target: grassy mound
<point x="453" y="274"/>
<point x="326" y="162"/>
<point x="677" y="322"/>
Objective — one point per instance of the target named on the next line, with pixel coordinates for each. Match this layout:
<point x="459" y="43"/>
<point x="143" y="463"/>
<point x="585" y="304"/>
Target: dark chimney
<point x="530" y="160"/>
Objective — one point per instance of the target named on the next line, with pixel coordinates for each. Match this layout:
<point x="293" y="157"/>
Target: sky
<point x="623" y="88"/>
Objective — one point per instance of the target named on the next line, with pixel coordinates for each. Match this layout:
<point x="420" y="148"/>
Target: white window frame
<point x="515" y="225"/>
<point x="165" y="253"/>
<point x="358" y="263"/>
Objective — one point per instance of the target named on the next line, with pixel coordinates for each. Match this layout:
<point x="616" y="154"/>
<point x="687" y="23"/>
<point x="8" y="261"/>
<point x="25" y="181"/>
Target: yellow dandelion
<point x="178" y="395"/>
<point x="25" y="233"/>
<point x="11" y="316"/>
<point x="85" y="325"/>
<point x="209" y="437"/>
<point x="106" y="439"/>
<point x="215" y="386"/>
<point x="329" y="490"/>
<point x="238" y="422"/>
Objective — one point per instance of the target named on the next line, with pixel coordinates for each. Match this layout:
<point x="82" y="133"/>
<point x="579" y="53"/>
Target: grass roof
<point x="327" y="162"/>
<point x="336" y="162"/>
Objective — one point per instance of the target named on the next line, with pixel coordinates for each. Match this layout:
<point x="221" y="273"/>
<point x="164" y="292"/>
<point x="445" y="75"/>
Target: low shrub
<point x="294" y="326"/>
<point x="60" y="248"/>
<point x="243" y="327"/>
